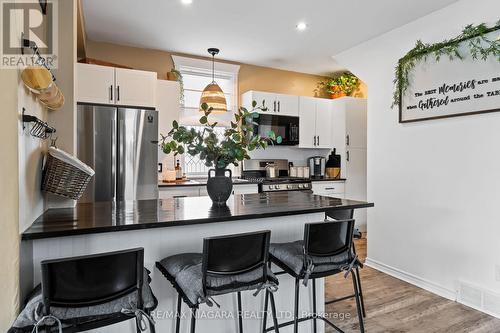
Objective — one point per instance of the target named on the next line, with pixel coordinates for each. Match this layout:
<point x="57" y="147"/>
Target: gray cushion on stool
<point x="186" y="270"/>
<point x="292" y="255"/>
<point x="33" y="310"/>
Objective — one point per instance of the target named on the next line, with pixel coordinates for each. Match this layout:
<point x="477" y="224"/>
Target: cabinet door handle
<point x="278" y="106"/>
<point x="318" y="140"/>
<point x="111" y="93"/>
<point x="347" y="140"/>
<point x="274" y="106"/>
<point x="347" y="157"/>
<point x="117" y="93"/>
<point x="330" y="188"/>
<point x="314" y="140"/>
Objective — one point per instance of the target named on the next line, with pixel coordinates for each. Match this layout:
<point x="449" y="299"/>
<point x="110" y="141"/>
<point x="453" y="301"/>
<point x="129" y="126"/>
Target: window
<point x="197" y="74"/>
<point x="192" y="164"/>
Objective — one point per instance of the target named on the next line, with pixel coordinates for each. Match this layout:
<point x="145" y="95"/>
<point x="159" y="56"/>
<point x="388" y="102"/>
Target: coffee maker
<point x="316" y="166"/>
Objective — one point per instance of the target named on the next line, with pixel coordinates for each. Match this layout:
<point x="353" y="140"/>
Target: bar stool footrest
<point x="302" y="319"/>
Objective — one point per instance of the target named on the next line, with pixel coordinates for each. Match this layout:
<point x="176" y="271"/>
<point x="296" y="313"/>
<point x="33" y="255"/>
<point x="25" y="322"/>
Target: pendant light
<point x="213" y="94"/>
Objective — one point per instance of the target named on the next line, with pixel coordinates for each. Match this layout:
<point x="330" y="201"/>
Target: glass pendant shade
<point x="214" y="97"/>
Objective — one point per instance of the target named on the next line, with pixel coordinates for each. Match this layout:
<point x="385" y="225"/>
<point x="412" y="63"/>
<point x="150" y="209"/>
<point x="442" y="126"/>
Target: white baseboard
<point x="439" y="290"/>
<point x="412" y="279"/>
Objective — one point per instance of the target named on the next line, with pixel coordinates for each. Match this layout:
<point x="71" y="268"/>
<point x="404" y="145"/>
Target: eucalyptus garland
<point x="480" y="47"/>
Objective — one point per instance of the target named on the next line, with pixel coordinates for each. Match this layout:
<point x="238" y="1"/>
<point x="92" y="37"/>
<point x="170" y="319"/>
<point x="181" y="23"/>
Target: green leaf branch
<point x="479" y="47"/>
<point x="238" y="140"/>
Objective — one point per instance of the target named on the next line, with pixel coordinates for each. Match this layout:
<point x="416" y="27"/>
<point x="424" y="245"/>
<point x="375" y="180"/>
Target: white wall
<point x="435" y="184"/>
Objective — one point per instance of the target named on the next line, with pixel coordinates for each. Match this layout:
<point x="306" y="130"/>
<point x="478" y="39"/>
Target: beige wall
<point x="9" y="203"/>
<point x="250" y="77"/>
<point x="9" y="218"/>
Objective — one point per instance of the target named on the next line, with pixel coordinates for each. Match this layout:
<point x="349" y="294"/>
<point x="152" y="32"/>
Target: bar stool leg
<point x="273" y="309"/>
<point x="358" y="278"/>
<point x="193" y="320"/>
<point x="358" y="303"/>
<point x="296" y="307"/>
<point x="137" y="326"/>
<point x="240" y="317"/>
<point x="314" y="306"/>
<point x="264" y="318"/>
<point x="178" y="314"/>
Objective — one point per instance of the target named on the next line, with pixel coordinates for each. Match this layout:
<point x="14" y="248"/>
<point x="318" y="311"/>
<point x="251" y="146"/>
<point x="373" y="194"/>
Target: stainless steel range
<point x="256" y="170"/>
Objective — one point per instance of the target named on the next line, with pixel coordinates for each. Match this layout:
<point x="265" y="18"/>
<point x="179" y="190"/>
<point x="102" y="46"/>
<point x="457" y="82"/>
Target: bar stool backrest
<point x="325" y="239"/>
<point x="340" y="214"/>
<point x="93" y="279"/>
<point x="236" y="254"/>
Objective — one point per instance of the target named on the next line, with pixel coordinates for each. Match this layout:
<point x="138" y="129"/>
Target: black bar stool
<point x="346" y="214"/>
<point x="326" y="250"/>
<point x="228" y="264"/>
<point x="82" y="293"/>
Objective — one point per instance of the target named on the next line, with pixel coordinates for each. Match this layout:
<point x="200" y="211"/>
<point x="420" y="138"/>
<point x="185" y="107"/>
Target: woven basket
<point x="65" y="179"/>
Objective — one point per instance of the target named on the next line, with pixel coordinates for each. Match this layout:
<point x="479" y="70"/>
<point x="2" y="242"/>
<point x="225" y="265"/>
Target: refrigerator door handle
<point x="114" y="160"/>
<point x="118" y="162"/>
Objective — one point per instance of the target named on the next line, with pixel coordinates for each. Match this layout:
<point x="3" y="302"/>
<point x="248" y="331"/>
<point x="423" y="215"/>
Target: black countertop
<point x="202" y="182"/>
<point x="327" y="179"/>
<point x="130" y="215"/>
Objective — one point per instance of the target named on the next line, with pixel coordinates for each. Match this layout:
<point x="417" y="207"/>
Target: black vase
<point x="219" y="187"/>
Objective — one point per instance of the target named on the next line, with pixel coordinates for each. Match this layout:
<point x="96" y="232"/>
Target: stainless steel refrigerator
<point x="121" y="145"/>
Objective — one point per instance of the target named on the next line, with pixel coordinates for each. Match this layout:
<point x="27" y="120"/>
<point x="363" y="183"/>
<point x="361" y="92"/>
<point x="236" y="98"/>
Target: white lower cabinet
<point x="179" y="192"/>
<point x="245" y="189"/>
<point x="201" y="191"/>
<point x="334" y="189"/>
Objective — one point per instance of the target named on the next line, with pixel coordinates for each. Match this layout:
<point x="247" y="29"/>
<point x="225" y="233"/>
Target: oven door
<point x="284" y="126"/>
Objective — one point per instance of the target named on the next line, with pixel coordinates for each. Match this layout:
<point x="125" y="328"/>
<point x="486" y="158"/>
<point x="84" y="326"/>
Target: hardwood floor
<point x="396" y="306"/>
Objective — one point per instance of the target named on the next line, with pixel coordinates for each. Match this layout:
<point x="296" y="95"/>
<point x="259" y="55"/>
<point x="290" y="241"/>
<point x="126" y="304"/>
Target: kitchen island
<point x="171" y="226"/>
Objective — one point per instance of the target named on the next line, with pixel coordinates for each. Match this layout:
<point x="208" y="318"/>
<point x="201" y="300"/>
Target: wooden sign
<point x="451" y="88"/>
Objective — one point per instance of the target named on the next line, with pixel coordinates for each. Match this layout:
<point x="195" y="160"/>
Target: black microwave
<point x="285" y="126"/>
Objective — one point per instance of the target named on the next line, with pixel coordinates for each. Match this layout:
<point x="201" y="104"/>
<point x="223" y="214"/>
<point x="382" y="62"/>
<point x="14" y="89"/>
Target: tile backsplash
<point x="296" y="155"/>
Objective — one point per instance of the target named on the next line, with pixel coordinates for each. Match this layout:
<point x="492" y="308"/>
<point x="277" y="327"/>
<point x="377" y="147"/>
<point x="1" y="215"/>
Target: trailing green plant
<point x="480" y="47"/>
<point x="345" y="82"/>
<point x="179" y="78"/>
<point x="237" y="142"/>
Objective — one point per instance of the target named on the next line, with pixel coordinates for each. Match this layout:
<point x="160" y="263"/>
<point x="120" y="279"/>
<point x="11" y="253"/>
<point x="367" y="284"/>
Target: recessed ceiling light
<point x="187" y="2"/>
<point x="301" y="26"/>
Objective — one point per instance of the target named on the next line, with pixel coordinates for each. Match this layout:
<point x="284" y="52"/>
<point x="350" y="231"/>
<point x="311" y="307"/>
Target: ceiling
<point x="259" y="32"/>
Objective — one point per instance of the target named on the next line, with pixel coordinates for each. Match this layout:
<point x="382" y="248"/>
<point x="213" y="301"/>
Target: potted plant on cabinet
<point x="232" y="148"/>
<point x="341" y="85"/>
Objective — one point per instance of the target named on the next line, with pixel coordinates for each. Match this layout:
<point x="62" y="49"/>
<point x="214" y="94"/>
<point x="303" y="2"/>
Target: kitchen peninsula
<point x="170" y="226"/>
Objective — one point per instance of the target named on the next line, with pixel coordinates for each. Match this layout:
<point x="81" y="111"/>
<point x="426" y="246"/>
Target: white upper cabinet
<point x="278" y="104"/>
<point x="323" y="123"/>
<point x="315" y="125"/>
<point x="287" y="105"/>
<point x="307" y="122"/>
<point x="356" y="123"/>
<point x="118" y="86"/>
<point x="269" y="100"/>
<point x="95" y="84"/>
<point x="136" y="88"/>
